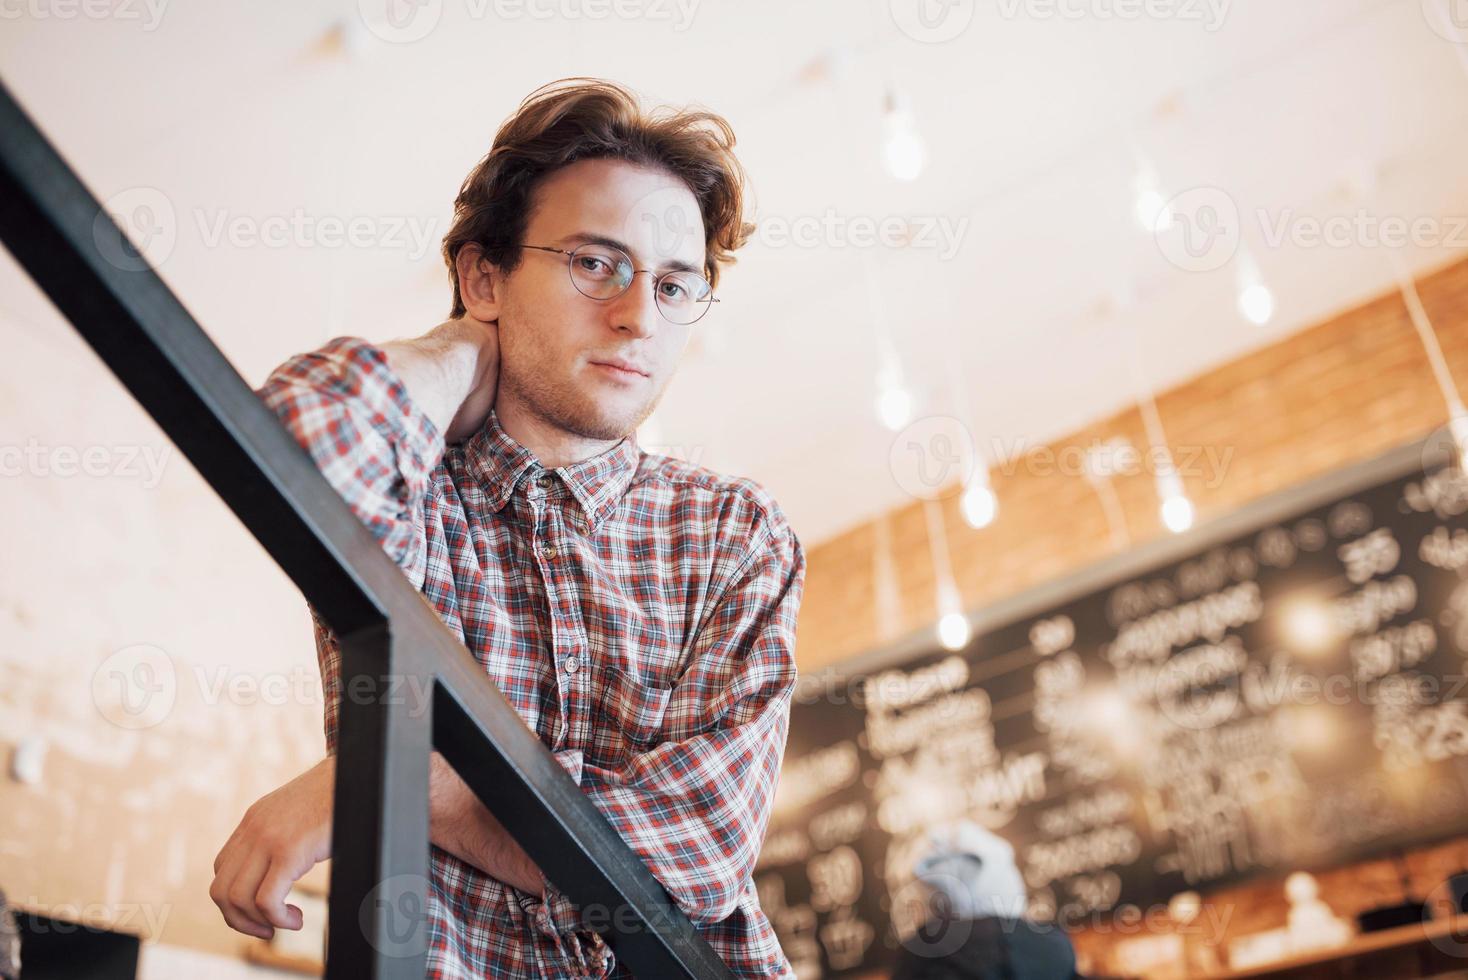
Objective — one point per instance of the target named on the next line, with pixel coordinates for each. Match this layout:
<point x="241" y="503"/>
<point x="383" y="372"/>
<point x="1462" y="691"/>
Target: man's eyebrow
<point x="586" y="237"/>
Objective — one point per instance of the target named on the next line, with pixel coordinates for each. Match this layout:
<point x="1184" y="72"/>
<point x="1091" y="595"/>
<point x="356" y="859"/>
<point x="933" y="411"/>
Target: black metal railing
<point x="394" y="646"/>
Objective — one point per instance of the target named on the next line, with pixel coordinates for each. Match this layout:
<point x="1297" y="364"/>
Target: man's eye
<point x="675" y="291"/>
<point x="595" y="265"/>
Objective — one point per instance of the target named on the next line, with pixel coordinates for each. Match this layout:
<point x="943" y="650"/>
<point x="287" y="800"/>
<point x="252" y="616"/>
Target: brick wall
<point x="1337" y="393"/>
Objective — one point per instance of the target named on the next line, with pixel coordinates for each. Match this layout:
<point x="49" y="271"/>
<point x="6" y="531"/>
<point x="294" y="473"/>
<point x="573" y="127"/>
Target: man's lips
<point x="621" y="368"/>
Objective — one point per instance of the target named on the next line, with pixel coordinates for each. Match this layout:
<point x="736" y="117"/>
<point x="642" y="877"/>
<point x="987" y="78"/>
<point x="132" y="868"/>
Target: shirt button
<point x="546" y="480"/>
<point x="573" y="664"/>
<point x="549" y="551"/>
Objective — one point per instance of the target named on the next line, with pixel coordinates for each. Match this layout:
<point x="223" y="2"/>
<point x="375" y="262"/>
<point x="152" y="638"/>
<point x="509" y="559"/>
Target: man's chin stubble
<point x="560" y="409"/>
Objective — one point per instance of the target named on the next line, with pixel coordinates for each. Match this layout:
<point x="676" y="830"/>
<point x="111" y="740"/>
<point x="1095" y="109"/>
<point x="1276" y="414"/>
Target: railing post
<point x="378" y="913"/>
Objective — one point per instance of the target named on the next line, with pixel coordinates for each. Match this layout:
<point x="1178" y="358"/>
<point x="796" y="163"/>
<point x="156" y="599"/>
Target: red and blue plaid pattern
<point x="637" y="611"/>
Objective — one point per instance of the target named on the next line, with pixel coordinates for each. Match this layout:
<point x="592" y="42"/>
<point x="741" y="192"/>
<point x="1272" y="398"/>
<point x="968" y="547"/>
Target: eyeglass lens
<point x="604" y="272"/>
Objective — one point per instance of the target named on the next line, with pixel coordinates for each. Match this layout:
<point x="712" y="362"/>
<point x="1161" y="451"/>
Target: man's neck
<point x="553" y="446"/>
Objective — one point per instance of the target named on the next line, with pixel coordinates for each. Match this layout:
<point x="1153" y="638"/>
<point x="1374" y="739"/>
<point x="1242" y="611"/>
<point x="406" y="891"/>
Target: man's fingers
<point x="270" y="898"/>
<point x="224" y="873"/>
<point x="239" y="923"/>
<point x="219" y="892"/>
<point x="242" y="888"/>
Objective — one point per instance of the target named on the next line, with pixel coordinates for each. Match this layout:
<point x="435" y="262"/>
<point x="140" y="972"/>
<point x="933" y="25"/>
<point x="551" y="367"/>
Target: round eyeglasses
<point x="604" y="272"/>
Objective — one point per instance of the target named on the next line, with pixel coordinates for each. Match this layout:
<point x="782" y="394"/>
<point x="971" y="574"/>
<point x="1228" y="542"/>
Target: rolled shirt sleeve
<point x="353" y="416"/>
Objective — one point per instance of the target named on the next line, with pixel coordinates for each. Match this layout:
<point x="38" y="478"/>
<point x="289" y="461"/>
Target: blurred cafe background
<point x="1108" y="358"/>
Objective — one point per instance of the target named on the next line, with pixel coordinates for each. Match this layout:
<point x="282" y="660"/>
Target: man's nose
<point x="636" y="310"/>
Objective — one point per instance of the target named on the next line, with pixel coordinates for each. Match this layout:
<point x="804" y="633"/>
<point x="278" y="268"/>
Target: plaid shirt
<point x="638" y="612"/>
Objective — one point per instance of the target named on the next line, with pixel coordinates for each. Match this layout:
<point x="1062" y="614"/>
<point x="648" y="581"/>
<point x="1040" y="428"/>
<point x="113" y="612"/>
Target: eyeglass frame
<point x="657" y="277"/>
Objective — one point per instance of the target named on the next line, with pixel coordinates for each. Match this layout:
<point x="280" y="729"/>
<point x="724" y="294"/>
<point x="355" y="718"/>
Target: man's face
<point x="555" y="342"/>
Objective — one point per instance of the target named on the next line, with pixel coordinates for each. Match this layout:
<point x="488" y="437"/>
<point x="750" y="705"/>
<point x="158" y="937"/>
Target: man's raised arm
<point x="375" y="419"/>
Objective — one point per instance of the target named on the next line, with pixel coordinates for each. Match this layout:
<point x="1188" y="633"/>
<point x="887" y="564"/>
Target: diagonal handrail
<point x="392" y="640"/>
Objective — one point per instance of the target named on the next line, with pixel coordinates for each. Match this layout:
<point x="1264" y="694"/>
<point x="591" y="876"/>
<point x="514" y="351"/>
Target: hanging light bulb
<point x="953" y="625"/>
<point x="1150" y="208"/>
<point x="1256" y="302"/>
<point x="1177" y="509"/>
<point x="894" y="401"/>
<point x="979" y="505"/>
<point x="1458" y="426"/>
<point x="1177" y="513"/>
<point x="1149" y="203"/>
<point x="894" y="407"/>
<point x="953" y="631"/>
<point x="903" y="149"/>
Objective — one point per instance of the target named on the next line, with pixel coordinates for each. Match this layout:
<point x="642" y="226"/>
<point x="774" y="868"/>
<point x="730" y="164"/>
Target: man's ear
<point x="481" y="283"/>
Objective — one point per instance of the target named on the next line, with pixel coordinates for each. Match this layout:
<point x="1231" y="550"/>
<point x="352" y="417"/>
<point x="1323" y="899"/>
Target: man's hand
<point x="451" y="373"/>
<point x="286" y="832"/>
<point x="281" y="837"/>
<point x="476" y="405"/>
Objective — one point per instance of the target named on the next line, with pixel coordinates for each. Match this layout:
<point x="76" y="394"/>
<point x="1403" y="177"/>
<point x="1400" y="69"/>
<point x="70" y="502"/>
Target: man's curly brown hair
<point x="588" y="118"/>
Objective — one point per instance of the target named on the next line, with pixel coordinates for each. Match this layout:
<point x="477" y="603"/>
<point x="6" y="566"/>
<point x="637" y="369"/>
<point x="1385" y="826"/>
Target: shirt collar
<point x="597" y="483"/>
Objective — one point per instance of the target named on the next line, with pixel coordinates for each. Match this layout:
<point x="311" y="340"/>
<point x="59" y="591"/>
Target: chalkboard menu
<point x="1283" y="690"/>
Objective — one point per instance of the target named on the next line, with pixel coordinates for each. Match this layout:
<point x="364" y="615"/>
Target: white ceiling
<point x="248" y="110"/>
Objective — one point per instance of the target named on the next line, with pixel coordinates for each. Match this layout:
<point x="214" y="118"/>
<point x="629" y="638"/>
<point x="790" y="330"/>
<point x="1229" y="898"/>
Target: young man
<point x="637" y="611"/>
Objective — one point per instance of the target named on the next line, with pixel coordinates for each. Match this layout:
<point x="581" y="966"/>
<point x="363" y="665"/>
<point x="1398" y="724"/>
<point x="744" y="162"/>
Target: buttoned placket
<point x="567" y="643"/>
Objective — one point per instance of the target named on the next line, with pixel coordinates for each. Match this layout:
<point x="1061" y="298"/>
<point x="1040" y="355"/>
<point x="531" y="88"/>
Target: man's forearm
<point x="463" y="826"/>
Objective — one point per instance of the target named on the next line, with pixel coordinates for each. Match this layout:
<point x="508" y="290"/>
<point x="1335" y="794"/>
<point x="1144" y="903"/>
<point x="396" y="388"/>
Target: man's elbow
<point x="713" y="898"/>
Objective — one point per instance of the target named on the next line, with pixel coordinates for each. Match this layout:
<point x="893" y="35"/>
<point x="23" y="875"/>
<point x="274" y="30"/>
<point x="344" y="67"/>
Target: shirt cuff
<point x="555" y="914"/>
